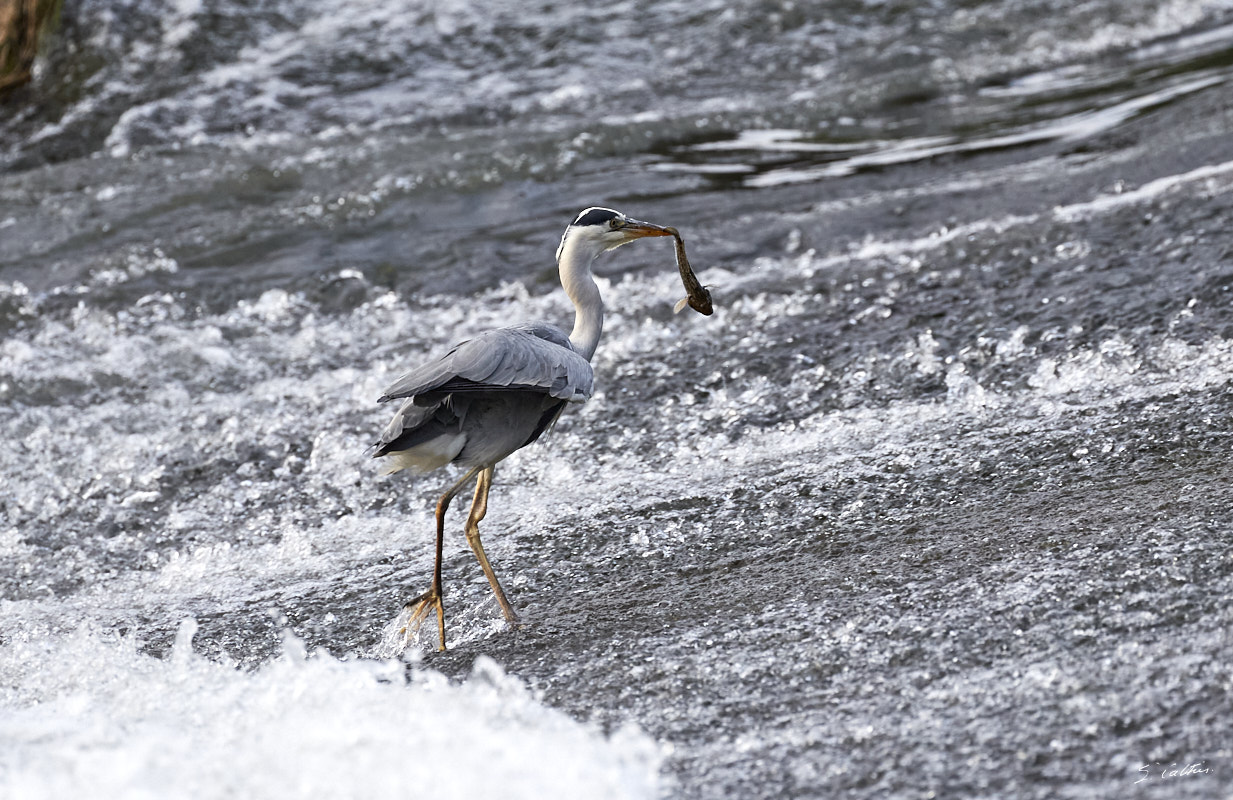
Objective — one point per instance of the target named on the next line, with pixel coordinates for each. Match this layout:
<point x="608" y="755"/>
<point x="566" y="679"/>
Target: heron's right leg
<point x="479" y="507"/>
<point x="431" y="599"/>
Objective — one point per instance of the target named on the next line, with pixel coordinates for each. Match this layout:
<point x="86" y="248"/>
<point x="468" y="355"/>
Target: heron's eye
<point x="613" y="224"/>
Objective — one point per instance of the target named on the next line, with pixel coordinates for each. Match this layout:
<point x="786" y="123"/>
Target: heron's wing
<point x="536" y="358"/>
<point x="414" y="425"/>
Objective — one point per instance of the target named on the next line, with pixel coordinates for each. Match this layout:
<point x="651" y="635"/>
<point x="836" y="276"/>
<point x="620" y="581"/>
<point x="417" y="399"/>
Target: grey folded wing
<point x="531" y="357"/>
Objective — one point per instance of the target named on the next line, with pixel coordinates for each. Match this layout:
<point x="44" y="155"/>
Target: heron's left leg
<point x="431" y="599"/>
<point x="479" y="507"/>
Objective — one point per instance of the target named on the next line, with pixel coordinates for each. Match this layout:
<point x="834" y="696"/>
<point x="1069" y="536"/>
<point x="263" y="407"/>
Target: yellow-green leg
<point x="422" y="605"/>
<point x="479" y="507"/>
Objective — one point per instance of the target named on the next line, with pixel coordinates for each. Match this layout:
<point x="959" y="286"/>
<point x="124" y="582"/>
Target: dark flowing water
<point x="935" y="505"/>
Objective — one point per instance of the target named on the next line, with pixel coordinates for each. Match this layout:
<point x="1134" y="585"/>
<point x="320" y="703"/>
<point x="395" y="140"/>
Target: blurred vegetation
<point x="22" y="25"/>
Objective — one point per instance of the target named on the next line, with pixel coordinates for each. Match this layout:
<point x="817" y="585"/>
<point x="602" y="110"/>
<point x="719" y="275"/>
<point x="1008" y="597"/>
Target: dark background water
<point x="936" y="502"/>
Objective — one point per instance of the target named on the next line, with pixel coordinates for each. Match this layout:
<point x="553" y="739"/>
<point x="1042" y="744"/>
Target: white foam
<point x="179" y="24"/>
<point x="89" y="716"/>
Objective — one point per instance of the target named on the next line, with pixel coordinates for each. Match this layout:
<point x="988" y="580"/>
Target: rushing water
<point x="936" y="504"/>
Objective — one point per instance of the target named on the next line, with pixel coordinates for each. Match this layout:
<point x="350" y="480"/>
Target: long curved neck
<point x="575" y="267"/>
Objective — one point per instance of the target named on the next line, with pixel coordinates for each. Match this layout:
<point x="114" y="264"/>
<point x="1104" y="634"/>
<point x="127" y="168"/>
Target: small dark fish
<point x="697" y="298"/>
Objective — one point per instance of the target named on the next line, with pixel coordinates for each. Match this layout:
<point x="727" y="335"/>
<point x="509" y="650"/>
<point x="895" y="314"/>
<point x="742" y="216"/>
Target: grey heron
<point x="498" y="392"/>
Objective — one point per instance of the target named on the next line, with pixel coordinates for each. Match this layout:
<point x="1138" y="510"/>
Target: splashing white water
<point x="89" y="716"/>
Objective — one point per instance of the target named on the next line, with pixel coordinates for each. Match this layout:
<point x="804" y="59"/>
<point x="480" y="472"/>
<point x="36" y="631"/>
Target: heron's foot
<point x="420" y="608"/>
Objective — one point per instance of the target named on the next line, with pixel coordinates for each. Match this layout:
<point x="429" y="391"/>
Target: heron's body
<point x="498" y="392"/>
<point x="468" y="431"/>
<point x="486" y="398"/>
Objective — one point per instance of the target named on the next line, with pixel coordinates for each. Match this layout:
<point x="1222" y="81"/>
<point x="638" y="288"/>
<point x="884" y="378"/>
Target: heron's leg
<point x="430" y="599"/>
<point x="479" y="507"/>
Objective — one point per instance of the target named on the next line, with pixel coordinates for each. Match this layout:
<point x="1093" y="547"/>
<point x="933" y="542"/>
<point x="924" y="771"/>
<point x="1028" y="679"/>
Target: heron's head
<point x="598" y="229"/>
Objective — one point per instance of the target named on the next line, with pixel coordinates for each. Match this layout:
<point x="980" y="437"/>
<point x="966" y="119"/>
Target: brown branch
<point x="22" y="24"/>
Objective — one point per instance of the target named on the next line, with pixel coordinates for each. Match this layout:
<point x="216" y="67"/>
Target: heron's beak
<point x="636" y="229"/>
